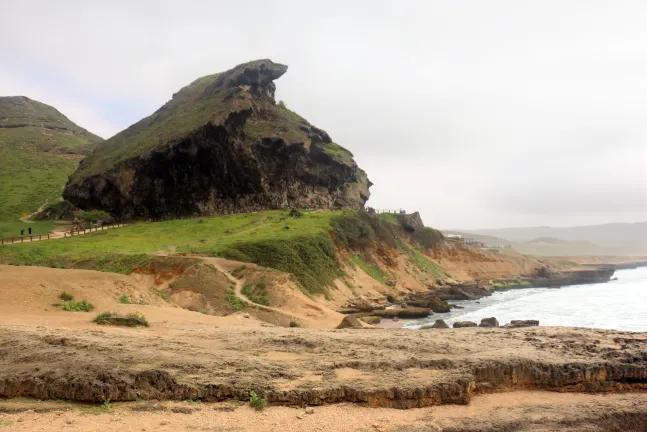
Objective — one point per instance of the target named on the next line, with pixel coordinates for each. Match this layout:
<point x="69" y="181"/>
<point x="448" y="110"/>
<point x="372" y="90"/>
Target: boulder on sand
<point x="489" y="322"/>
<point x="371" y="319"/>
<point x="463" y="324"/>
<point x="522" y="323"/>
<point x="440" y="324"/>
<point x="351" y="322"/>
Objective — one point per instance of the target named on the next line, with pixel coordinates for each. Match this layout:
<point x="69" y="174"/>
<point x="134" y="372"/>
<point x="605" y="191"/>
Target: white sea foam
<point x="619" y="305"/>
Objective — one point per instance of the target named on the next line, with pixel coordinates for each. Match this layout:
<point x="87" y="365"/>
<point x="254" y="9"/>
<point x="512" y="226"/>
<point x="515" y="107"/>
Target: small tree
<point x="95" y="216"/>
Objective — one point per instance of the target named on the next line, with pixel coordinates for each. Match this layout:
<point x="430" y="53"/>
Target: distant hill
<point x="607" y="239"/>
<point x="39" y="149"/>
<point x="541" y="246"/>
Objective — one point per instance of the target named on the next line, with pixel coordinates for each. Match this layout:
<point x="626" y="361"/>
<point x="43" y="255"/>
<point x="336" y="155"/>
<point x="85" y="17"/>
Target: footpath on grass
<point x="56" y="234"/>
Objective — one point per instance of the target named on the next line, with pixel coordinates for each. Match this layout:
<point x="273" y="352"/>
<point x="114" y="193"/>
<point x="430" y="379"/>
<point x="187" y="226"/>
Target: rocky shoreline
<point x="435" y="301"/>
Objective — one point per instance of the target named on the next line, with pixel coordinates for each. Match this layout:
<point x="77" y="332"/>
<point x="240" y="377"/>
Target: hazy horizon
<point x="478" y="114"/>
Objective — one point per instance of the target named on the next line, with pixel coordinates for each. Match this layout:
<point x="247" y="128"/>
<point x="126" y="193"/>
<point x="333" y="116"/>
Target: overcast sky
<point x="480" y="114"/>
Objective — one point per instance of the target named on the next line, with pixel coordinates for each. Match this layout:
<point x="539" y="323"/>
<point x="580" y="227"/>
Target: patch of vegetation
<point x="93" y="216"/>
<point x="60" y="210"/>
<point x="425" y="264"/>
<point x="372" y="270"/>
<point x="237" y="272"/>
<point x="427" y="237"/>
<point x="131" y="320"/>
<point x="234" y="300"/>
<point x="257" y="292"/>
<point x="279" y="122"/>
<point x="4" y="422"/>
<point x="160" y="293"/>
<point x="512" y="284"/>
<point x="257" y="402"/>
<point x="65" y="296"/>
<point x="78" y="306"/>
<point x="104" y="408"/>
<point x="336" y="152"/>
<point x="294" y="324"/>
<point x="349" y="285"/>
<point x="124" y="299"/>
<point x="312" y="259"/>
<point x="359" y="230"/>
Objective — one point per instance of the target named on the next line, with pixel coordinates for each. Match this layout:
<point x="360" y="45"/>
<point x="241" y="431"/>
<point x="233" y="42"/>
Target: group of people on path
<point x="22" y="231"/>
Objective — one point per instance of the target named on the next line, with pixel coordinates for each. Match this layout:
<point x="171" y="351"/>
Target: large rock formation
<point x="221" y="145"/>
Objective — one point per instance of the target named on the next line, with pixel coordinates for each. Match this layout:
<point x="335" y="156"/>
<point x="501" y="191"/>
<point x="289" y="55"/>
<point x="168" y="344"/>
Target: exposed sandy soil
<point x="52" y="354"/>
<point x="466" y="263"/>
<point x="519" y="411"/>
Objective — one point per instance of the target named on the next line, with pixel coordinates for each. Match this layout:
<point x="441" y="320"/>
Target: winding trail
<point x="238" y="287"/>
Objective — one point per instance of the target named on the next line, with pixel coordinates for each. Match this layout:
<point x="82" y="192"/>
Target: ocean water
<point x="618" y="305"/>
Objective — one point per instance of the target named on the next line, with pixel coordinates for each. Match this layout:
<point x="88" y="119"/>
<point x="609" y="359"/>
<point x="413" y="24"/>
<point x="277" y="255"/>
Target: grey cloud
<point x="478" y="114"/>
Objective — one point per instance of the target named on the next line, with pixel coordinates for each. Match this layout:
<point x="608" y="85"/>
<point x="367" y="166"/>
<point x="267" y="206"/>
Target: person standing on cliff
<point x="22" y="232"/>
<point x="29" y="230"/>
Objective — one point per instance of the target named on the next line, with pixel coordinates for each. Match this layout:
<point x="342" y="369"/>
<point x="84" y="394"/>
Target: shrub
<point x="294" y="324"/>
<point x="257" y="292"/>
<point x="237" y="272"/>
<point x="94" y="216"/>
<point x="66" y="296"/>
<point x="428" y="237"/>
<point x="78" y="306"/>
<point x="359" y="230"/>
<point x="124" y="299"/>
<point x="234" y="300"/>
<point x="130" y="320"/>
<point x="257" y="402"/>
<point x="353" y="231"/>
<point x="160" y="293"/>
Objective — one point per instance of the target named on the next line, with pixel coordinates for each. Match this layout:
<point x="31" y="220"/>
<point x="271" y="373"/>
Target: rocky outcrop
<point x="440" y="324"/>
<point x="351" y="322"/>
<point x="549" y="278"/>
<point x="407" y="312"/>
<point x="522" y="323"/>
<point x="464" y="324"/>
<point x="412" y="222"/>
<point x="428" y="300"/>
<point x="489" y="322"/>
<point x="221" y="145"/>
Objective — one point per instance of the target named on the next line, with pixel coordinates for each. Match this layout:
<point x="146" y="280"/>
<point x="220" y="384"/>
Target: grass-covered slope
<point x="39" y="149"/>
<point x="306" y="246"/>
<point x="209" y="99"/>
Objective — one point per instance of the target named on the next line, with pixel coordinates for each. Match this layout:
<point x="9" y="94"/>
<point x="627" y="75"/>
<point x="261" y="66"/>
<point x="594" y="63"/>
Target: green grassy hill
<point x="306" y="246"/>
<point x="39" y="149"/>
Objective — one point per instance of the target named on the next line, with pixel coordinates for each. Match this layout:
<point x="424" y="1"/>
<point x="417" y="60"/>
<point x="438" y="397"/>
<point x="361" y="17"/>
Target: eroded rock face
<point x="464" y="324"/>
<point x="522" y="323"/>
<point x="221" y="145"/>
<point x="440" y="324"/>
<point x="489" y="322"/>
<point x="351" y="322"/>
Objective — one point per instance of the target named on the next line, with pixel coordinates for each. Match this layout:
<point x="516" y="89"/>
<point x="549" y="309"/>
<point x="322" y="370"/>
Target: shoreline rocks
<point x="522" y="323"/>
<point x="464" y="324"/>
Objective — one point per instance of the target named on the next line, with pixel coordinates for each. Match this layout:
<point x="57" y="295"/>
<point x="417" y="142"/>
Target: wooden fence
<point x="30" y="238"/>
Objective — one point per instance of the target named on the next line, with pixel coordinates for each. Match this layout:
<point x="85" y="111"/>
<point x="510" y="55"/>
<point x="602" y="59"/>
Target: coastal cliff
<point x="221" y="145"/>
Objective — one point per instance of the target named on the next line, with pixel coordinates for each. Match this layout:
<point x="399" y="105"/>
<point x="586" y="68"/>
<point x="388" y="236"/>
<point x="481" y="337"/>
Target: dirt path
<point x="238" y="287"/>
<point x="25" y="219"/>
<point x="58" y="234"/>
